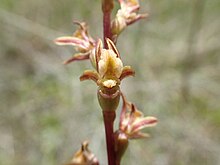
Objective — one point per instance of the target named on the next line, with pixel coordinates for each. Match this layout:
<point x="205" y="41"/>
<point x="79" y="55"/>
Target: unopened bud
<point x="118" y="25"/>
<point x="84" y="156"/>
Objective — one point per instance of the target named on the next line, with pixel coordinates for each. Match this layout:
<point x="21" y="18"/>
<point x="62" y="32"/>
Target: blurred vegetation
<point x="45" y="112"/>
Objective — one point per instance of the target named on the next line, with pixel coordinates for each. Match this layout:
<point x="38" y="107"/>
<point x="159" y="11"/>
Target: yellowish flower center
<point x="109" y="83"/>
<point x="109" y="64"/>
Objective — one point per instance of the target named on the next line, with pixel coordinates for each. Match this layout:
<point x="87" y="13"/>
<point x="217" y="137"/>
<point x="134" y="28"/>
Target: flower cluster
<point x="108" y="74"/>
<point x="126" y="15"/>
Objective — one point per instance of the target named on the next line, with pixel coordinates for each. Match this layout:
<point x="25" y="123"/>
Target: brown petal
<point x="123" y="111"/>
<point x="111" y="46"/>
<point x="148" y="121"/>
<point x="139" y="135"/>
<point x="82" y="25"/>
<point x="67" y="40"/>
<point x="98" y="52"/>
<point x="77" y="57"/>
<point x="127" y="71"/>
<point x="137" y="18"/>
<point x="89" y="75"/>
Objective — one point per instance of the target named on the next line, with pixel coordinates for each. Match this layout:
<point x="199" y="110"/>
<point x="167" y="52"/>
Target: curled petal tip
<point x="77" y="57"/>
<point x="127" y="71"/>
<point x="148" y="121"/>
<point x="89" y="75"/>
<point x="112" y="46"/>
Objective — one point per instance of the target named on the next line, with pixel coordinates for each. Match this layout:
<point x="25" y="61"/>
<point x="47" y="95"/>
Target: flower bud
<point x="118" y="25"/>
<point x="84" y="156"/>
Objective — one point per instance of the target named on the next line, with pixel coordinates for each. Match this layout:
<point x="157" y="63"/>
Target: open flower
<point x="108" y="75"/>
<point x="126" y="15"/>
<point x="82" y="42"/>
<point x="109" y="67"/>
<point x="132" y="121"/>
<point x="109" y="64"/>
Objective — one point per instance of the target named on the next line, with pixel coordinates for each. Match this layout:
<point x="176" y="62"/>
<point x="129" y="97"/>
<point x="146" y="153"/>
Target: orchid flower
<point x="126" y="15"/>
<point x="109" y="67"/>
<point x="82" y="42"/>
<point x="132" y="121"/>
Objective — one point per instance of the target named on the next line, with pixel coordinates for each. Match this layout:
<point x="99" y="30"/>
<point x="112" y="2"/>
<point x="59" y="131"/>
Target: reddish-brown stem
<point x="107" y="6"/>
<point x="106" y="27"/>
<point x="109" y="117"/>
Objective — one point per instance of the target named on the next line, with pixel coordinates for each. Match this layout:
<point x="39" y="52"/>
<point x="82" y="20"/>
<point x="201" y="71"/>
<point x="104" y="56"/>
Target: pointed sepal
<point x="126" y="72"/>
<point x="89" y="75"/>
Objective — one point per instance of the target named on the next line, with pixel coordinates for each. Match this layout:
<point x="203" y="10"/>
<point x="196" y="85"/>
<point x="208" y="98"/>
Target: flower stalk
<point x="107" y="6"/>
<point x="108" y="115"/>
<point x="109" y="118"/>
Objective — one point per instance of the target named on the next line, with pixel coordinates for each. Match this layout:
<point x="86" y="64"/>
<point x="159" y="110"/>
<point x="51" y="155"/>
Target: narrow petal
<point x="77" y="57"/>
<point x="67" y="40"/>
<point x="137" y="18"/>
<point x="148" y="121"/>
<point x="98" y="52"/>
<point x="111" y="45"/>
<point x="123" y="111"/>
<point x="80" y="44"/>
<point x="134" y="115"/>
<point x="138" y="135"/>
<point x="133" y="7"/>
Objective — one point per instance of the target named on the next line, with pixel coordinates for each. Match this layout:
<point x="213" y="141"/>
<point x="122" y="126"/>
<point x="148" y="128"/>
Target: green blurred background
<point x="45" y="112"/>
